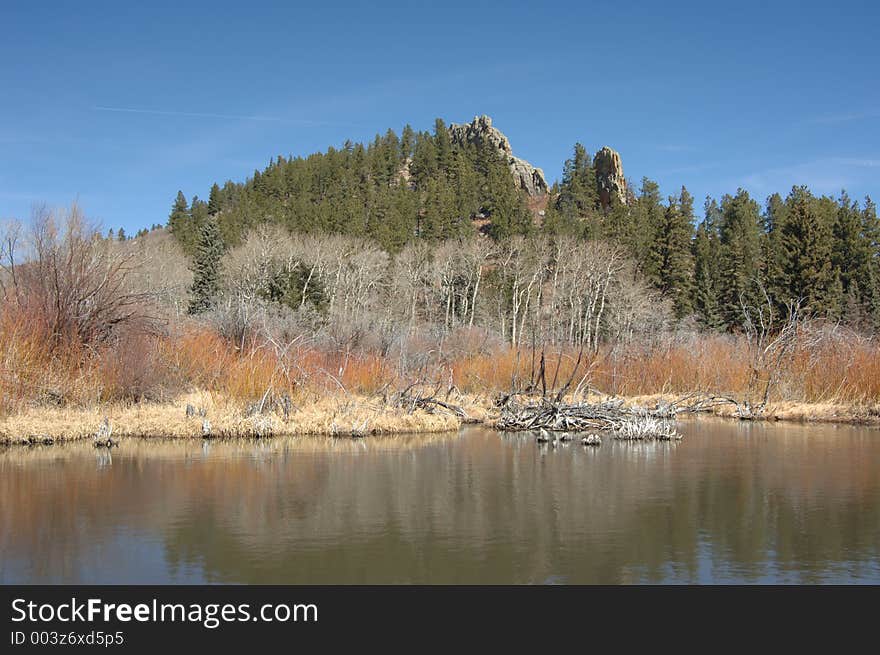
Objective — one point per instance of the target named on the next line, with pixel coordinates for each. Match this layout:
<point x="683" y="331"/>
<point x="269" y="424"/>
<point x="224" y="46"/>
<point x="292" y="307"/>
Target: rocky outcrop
<point x="528" y="177"/>
<point x="609" y="177"/>
<point x="403" y="177"/>
<point x="480" y="131"/>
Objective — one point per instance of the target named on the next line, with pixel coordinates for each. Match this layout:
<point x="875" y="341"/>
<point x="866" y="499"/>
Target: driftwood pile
<point x="627" y="423"/>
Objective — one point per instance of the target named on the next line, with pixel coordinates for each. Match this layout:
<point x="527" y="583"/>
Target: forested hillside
<point x="462" y="183"/>
<point x="392" y="190"/>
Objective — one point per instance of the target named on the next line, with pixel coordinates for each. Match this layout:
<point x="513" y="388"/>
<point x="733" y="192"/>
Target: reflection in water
<point x="731" y="503"/>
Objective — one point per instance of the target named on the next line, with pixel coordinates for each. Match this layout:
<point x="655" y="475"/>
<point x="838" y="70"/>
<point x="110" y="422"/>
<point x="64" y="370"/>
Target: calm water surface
<point x="731" y="502"/>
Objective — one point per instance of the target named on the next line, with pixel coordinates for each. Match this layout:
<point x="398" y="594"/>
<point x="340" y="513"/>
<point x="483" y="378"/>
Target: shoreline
<point x="789" y="411"/>
<point x="202" y="415"/>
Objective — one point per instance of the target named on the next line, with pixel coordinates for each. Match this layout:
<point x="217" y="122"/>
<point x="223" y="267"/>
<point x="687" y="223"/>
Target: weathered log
<point x="411" y="398"/>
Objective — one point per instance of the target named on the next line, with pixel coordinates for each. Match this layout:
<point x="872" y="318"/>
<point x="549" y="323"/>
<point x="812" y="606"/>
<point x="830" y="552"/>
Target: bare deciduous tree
<point x="70" y="282"/>
<point x="769" y="349"/>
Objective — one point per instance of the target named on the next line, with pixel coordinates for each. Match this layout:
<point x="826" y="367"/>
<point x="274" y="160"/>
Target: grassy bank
<point x="223" y="417"/>
<point x="332" y="415"/>
<point x="144" y="385"/>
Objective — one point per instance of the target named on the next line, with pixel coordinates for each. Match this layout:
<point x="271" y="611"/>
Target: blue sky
<point x="119" y="105"/>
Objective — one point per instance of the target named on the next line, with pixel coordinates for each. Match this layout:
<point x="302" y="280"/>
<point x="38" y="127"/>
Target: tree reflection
<point x="729" y="503"/>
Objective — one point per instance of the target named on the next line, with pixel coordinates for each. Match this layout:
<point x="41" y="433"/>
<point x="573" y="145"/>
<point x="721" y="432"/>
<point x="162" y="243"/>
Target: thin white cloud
<point x="860" y="163"/>
<point x="195" y="114"/>
<point x="841" y="118"/>
<point x="825" y="175"/>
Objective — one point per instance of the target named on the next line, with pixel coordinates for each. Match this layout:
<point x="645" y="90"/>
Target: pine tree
<point x="439" y="219"/>
<point x="741" y="262"/>
<point x="673" y="255"/>
<point x="258" y="183"/>
<point x="808" y="272"/>
<point x="286" y="287"/>
<point x="407" y="141"/>
<point x="855" y="259"/>
<point x="707" y="250"/>
<point x="120" y="236"/>
<point x="443" y="143"/>
<point x="871" y="234"/>
<point x="501" y="199"/>
<point x="180" y="224"/>
<point x="850" y="256"/>
<point x="465" y="183"/>
<point x="405" y="210"/>
<point x="424" y="163"/>
<point x="620" y="223"/>
<point x="774" y="218"/>
<point x="578" y="197"/>
<point x="206" y="269"/>
<point x="214" y="201"/>
<point x="648" y="218"/>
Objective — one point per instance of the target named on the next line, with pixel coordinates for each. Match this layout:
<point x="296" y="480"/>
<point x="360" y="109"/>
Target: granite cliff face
<point x="480" y="131"/>
<point x="610" y="180"/>
<point x="609" y="177"/>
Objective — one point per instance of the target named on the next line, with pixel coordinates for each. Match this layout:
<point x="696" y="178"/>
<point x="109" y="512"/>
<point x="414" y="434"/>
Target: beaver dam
<point x="611" y="417"/>
<point x="614" y="417"/>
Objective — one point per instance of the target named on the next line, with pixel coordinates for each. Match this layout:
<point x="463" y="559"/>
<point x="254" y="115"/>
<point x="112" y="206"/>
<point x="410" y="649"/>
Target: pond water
<point x="730" y="503"/>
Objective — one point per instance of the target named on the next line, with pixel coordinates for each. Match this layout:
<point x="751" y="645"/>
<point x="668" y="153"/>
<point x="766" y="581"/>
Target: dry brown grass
<point x="331" y="415"/>
<point x="326" y="415"/>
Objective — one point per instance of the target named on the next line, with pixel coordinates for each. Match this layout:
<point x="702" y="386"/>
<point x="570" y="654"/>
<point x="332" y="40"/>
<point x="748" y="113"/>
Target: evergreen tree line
<point x="819" y="251"/>
<point x="393" y="190"/>
<point x="422" y="187"/>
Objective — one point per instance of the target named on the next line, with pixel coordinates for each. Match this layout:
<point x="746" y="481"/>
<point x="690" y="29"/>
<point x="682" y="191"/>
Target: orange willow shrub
<point x="31" y="372"/>
<point x="838" y="370"/>
<point x="23" y="363"/>
<point x="356" y="372"/>
<point x="205" y="360"/>
<point x="830" y="370"/>
<point x="133" y="368"/>
<point x="137" y="367"/>
<point x="709" y="363"/>
<point x="715" y="364"/>
<point x="510" y="368"/>
<point x="834" y="368"/>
